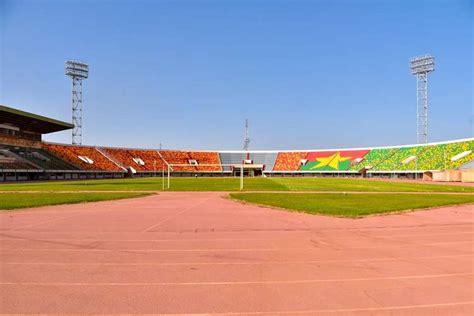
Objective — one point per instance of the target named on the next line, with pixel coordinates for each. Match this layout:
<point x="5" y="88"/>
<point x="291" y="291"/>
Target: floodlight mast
<point x="421" y="66"/>
<point x="77" y="71"/>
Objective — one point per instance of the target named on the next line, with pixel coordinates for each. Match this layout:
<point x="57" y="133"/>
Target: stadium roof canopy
<point x="30" y="122"/>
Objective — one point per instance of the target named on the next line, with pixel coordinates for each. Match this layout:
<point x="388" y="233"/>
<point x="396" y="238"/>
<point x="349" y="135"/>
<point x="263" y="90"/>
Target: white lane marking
<point x="425" y="276"/>
<point x="232" y="263"/>
<point x="232" y="249"/>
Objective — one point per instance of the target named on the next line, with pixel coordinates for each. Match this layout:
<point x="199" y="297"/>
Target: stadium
<point x="25" y="157"/>
<point x="310" y="219"/>
<point x="177" y="211"/>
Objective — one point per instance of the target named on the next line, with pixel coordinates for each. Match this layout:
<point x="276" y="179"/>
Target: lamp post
<point x="421" y="67"/>
<point x="77" y="71"/>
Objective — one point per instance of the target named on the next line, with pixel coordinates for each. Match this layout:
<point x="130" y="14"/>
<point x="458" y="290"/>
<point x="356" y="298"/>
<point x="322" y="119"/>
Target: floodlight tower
<point x="246" y="139"/>
<point x="421" y="66"/>
<point x="77" y="71"/>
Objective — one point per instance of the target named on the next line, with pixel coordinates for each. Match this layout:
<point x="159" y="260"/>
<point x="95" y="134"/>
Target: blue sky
<point x="307" y="74"/>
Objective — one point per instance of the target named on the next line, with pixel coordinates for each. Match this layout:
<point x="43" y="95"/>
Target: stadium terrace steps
<point x="403" y="159"/>
<point x="87" y="158"/>
<point x="42" y="159"/>
<point x="374" y="158"/>
<point x="11" y="161"/>
<point x="175" y="157"/>
<point x="259" y="158"/>
<point x="207" y="161"/>
<point x="427" y="158"/>
<point x="329" y="161"/>
<point x="417" y="158"/>
<point x="456" y="148"/>
<point x="231" y="158"/>
<point x="101" y="151"/>
<point x="468" y="165"/>
<point x="111" y="157"/>
<point x="267" y="159"/>
<point x="142" y="160"/>
<point x="289" y="161"/>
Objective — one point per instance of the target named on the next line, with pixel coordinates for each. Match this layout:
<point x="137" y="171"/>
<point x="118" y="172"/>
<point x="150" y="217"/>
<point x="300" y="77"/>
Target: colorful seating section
<point x="453" y="149"/>
<point x="373" y="158"/>
<point x="87" y="158"/>
<point x="138" y="159"/>
<point x="332" y="160"/>
<point x="318" y="160"/>
<point x="289" y="161"/>
<point x="433" y="158"/>
<point x="207" y="158"/>
<point x="183" y="158"/>
<point x="42" y="158"/>
<point x="15" y="166"/>
<point x="445" y="156"/>
<point x="409" y="158"/>
<point x="174" y="157"/>
<point x="141" y="160"/>
<point x="8" y="161"/>
<point x="403" y="158"/>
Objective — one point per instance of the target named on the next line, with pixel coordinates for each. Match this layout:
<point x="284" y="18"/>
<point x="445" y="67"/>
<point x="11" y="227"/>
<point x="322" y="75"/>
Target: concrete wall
<point x="447" y="176"/>
<point x="467" y="175"/>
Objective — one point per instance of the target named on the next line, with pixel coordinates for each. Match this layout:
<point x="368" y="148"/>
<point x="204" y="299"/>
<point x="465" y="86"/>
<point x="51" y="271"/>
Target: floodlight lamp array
<point x="77" y="69"/>
<point x="422" y="64"/>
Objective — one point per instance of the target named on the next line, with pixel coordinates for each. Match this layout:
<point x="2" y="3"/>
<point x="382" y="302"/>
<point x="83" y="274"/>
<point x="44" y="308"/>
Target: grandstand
<point x="255" y="162"/>
<point x="192" y="161"/>
<point x="139" y="161"/>
<point x="87" y="158"/>
<point x="289" y="161"/>
<point x="24" y="156"/>
<point x="41" y="159"/>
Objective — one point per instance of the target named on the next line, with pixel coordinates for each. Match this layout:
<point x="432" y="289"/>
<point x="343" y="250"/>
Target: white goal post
<point x="232" y="167"/>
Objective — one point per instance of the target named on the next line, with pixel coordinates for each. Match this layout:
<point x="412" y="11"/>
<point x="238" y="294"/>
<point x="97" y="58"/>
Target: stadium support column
<point x="77" y="71"/>
<point x="421" y="67"/>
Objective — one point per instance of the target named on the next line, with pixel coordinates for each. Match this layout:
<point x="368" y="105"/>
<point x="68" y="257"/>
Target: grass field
<point x="351" y="205"/>
<point x="48" y="193"/>
<point x="9" y="201"/>
<point x="232" y="184"/>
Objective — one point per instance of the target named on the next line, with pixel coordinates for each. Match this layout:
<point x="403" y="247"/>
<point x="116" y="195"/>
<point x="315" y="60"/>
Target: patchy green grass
<point x="363" y="185"/>
<point x="9" y="201"/>
<point x="351" y="205"/>
<point x="232" y="184"/>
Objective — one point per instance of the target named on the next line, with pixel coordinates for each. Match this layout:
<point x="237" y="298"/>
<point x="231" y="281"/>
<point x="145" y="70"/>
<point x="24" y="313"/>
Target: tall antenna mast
<point x="77" y="71"/>
<point x="421" y="67"/>
<point x="246" y="139"/>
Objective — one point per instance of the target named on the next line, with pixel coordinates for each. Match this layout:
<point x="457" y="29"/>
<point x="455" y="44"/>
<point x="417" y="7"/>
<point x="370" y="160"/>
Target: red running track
<point x="201" y="254"/>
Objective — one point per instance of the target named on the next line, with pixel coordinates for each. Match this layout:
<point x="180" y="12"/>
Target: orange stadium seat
<point x="139" y="159"/>
<point x="289" y="161"/>
<point x="209" y="158"/>
<point x="87" y="158"/>
<point x="184" y="158"/>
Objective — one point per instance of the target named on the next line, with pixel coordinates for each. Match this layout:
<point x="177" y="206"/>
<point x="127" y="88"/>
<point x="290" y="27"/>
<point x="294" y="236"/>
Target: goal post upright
<point x="169" y="176"/>
<point x="241" y="177"/>
<point x="163" y="176"/>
